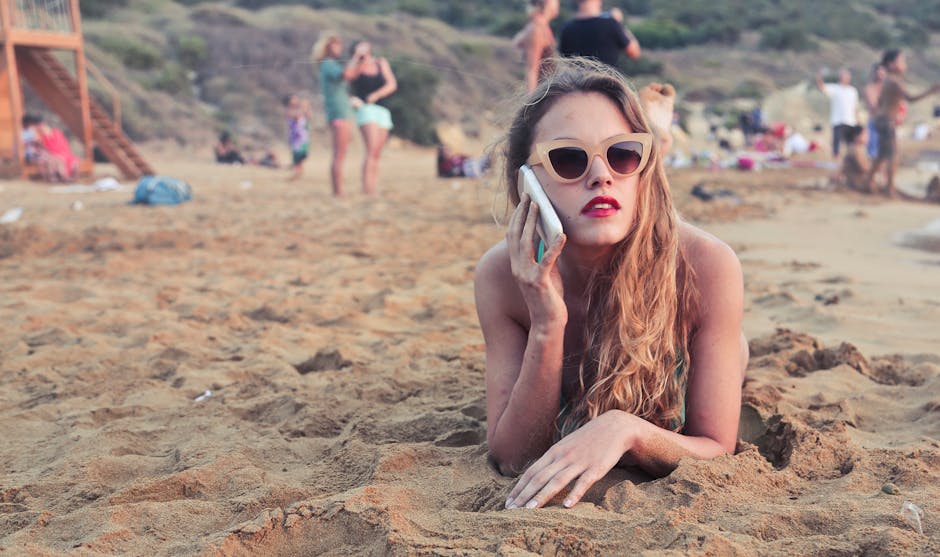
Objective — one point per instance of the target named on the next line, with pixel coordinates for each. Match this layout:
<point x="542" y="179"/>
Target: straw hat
<point x="318" y="52"/>
<point x="451" y="136"/>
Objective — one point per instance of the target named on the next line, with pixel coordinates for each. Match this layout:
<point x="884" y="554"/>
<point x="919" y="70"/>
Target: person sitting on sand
<point x="269" y="159"/>
<point x="451" y="164"/>
<point x="623" y="344"/>
<point x="225" y="150"/>
<point x="855" y="164"/>
<point x="933" y="190"/>
<point x="48" y="149"/>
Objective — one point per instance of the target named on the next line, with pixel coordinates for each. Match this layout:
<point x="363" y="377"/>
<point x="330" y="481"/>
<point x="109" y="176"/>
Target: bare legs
<point x="889" y="176"/>
<point x="297" y="171"/>
<point x="374" y="138"/>
<point x="342" y="133"/>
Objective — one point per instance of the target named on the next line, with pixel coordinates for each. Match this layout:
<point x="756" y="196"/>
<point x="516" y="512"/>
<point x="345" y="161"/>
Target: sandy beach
<point x="267" y="370"/>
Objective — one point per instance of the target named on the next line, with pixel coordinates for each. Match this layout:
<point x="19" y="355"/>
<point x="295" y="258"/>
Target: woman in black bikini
<point x="370" y="80"/>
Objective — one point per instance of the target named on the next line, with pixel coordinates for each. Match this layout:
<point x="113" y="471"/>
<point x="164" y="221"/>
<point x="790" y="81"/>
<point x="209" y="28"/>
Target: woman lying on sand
<point x="624" y="344"/>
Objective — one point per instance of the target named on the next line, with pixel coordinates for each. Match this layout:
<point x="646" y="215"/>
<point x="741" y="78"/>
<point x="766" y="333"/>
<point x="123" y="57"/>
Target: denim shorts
<point x="374" y="114"/>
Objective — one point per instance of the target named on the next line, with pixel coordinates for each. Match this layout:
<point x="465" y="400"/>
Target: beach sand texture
<point x="341" y="347"/>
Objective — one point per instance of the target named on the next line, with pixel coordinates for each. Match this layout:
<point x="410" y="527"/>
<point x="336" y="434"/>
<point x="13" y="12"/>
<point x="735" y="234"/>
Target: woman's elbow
<point x="504" y="463"/>
<point x="504" y="458"/>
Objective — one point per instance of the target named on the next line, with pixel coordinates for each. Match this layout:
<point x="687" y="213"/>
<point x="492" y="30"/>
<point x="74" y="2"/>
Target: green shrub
<point x="642" y="66"/>
<point x="191" y="51"/>
<point x="724" y="32"/>
<point x="634" y="7"/>
<point x="786" y="37"/>
<point x="911" y="34"/>
<point x="421" y="8"/>
<point x="659" y="33"/>
<point x="173" y="80"/>
<point x="99" y="8"/>
<point x="131" y="53"/>
<point x="690" y="23"/>
<point x="411" y="103"/>
<point x="508" y="25"/>
<point x="477" y="49"/>
<point x="751" y="89"/>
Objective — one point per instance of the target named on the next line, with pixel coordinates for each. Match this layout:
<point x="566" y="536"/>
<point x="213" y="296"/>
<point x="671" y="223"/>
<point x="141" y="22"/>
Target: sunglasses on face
<point x="568" y="160"/>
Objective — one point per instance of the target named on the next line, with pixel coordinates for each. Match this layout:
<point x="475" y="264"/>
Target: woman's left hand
<point x="585" y="455"/>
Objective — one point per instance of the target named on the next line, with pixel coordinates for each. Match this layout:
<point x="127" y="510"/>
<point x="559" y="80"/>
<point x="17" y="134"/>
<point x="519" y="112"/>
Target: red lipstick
<point x="601" y="206"/>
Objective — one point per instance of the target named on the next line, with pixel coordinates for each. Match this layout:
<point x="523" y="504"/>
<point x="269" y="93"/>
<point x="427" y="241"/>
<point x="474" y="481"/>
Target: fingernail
<point x="568" y="503"/>
<point x="531" y="504"/>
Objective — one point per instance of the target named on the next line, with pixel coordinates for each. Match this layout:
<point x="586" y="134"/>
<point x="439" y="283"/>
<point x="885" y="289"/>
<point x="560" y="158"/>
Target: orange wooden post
<point x="82" y="83"/>
<point x="12" y="74"/>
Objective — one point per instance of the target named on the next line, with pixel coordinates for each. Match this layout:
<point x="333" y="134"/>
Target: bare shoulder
<point x="493" y="264"/>
<point x="715" y="266"/>
<point x="706" y="252"/>
<point x="495" y="289"/>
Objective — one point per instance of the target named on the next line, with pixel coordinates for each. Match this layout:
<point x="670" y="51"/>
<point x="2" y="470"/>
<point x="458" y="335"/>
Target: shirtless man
<point x="893" y="94"/>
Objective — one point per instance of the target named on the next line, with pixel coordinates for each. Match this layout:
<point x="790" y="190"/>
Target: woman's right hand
<point x="361" y="50"/>
<point x="539" y="282"/>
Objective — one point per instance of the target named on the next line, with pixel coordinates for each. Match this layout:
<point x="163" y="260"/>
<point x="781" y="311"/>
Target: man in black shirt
<point x="594" y="34"/>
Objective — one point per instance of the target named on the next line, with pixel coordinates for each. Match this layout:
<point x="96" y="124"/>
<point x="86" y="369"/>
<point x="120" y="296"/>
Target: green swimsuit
<point x="680" y="422"/>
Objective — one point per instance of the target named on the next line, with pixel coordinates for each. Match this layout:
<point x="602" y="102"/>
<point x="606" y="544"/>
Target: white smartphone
<point x="549" y="225"/>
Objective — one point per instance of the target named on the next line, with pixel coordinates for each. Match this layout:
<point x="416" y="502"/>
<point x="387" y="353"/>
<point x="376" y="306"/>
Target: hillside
<point x="674" y="22"/>
<point x="189" y="71"/>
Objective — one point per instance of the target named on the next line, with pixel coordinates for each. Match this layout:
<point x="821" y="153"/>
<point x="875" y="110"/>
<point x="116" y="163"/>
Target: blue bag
<point x="161" y="190"/>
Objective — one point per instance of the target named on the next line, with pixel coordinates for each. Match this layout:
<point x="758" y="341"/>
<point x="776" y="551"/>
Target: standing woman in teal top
<point x="326" y="52"/>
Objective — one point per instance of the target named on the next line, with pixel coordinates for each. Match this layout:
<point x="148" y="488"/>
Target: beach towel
<point x="161" y="190"/>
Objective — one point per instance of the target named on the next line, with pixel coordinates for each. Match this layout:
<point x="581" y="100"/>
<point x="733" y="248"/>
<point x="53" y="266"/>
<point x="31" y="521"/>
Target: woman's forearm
<point x="526" y="427"/>
<point x="658" y="451"/>
<point x="351" y="70"/>
<point x="532" y="79"/>
<point x="380" y="94"/>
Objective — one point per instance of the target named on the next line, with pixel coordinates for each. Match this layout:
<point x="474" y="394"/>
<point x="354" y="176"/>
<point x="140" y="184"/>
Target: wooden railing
<point x="109" y="87"/>
<point x="52" y="16"/>
<point x="44" y="15"/>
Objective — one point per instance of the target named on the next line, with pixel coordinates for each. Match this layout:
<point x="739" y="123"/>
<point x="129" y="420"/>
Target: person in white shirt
<point x="843" y="106"/>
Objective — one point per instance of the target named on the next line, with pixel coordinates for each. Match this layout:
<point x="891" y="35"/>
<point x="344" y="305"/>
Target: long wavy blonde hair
<point x="641" y="304"/>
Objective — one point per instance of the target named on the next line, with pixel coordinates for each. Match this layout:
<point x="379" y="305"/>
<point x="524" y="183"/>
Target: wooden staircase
<point x="53" y="82"/>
